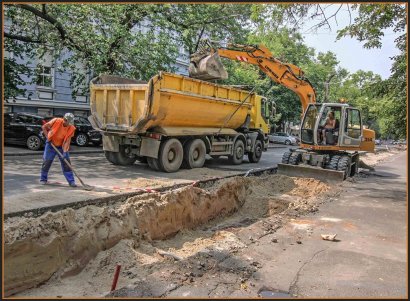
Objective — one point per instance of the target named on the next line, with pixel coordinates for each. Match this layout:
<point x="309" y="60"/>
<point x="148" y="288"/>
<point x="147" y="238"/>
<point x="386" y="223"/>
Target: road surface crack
<point x="293" y="289"/>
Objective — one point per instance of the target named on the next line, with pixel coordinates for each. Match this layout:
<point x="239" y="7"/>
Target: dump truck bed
<point x="168" y="102"/>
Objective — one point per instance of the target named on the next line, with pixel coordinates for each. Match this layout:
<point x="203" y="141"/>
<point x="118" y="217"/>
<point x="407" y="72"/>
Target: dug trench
<point x="161" y="240"/>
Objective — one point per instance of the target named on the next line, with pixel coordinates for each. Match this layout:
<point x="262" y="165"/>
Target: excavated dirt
<point x="372" y="159"/>
<point x="74" y="252"/>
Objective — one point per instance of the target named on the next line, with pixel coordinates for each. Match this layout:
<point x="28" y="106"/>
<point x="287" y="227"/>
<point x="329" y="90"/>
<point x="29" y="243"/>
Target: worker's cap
<point x="69" y="117"/>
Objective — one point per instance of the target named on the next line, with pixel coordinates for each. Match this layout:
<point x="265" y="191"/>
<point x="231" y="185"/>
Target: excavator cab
<point x="347" y="132"/>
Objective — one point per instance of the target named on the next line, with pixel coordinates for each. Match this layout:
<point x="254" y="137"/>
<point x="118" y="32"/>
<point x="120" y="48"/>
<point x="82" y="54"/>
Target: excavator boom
<point x="206" y="65"/>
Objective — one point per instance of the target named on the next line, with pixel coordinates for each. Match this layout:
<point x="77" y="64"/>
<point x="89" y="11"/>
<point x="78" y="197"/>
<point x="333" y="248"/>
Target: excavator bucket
<point x="208" y="67"/>
<point x="326" y="175"/>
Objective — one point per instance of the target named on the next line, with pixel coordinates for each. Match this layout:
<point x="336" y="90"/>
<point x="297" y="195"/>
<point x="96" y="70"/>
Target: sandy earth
<point x="383" y="155"/>
<point x="154" y="237"/>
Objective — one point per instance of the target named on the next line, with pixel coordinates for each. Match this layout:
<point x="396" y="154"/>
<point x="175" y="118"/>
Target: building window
<point x="81" y="98"/>
<point x="44" y="76"/>
<point x="81" y="113"/>
<point x="45" y="112"/>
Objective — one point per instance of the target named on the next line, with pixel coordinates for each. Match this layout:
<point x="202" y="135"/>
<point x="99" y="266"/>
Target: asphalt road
<point x="22" y="190"/>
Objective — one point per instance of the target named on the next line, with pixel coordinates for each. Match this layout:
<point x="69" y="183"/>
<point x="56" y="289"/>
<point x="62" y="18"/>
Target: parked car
<point x="398" y="142"/>
<point x="281" y="137"/>
<point x="84" y="132"/>
<point x="24" y="129"/>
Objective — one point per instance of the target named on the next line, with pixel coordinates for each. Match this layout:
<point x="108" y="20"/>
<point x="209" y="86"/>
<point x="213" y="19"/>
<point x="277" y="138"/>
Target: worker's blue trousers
<point x="48" y="158"/>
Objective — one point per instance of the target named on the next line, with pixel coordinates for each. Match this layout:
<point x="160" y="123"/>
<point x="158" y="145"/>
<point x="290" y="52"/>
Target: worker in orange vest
<point x="59" y="132"/>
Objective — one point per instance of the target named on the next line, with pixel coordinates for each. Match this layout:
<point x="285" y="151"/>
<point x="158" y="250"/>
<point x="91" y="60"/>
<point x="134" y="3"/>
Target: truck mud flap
<point x="326" y="175"/>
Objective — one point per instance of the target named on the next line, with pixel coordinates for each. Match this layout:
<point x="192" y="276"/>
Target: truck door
<point x="352" y="128"/>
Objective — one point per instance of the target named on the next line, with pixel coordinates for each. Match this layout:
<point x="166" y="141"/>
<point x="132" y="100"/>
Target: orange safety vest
<point x="57" y="124"/>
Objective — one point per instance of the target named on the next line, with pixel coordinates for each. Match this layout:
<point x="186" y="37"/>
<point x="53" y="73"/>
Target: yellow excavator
<point x="329" y="153"/>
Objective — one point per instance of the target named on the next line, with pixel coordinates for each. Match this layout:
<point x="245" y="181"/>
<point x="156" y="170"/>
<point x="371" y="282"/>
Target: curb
<point x="41" y="153"/>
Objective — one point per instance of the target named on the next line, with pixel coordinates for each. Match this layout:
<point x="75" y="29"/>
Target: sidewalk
<point x="24" y="151"/>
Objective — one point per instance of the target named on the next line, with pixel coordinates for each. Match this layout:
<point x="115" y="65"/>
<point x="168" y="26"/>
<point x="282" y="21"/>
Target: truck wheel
<point x="256" y="155"/>
<point x="295" y="158"/>
<point x="171" y="154"/>
<point x="194" y="154"/>
<point x="110" y="157"/>
<point x="153" y="163"/>
<point x="238" y="152"/>
<point x="124" y="156"/>
<point x="344" y="165"/>
<point x="285" y="157"/>
<point x="333" y="162"/>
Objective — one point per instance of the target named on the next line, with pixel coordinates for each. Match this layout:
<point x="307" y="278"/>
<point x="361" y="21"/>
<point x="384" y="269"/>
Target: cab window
<point x="353" y="123"/>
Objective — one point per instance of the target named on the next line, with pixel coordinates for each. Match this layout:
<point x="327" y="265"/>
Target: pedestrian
<point x="58" y="131"/>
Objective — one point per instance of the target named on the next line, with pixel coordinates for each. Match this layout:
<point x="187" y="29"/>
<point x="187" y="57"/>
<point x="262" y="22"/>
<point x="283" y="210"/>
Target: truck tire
<point x="171" y="154"/>
<point x="123" y="157"/>
<point x="295" y="158"/>
<point x="334" y="160"/>
<point x="110" y="157"/>
<point x="285" y="157"/>
<point x="256" y="155"/>
<point x="194" y="154"/>
<point x="153" y="163"/>
<point x="344" y="165"/>
<point x="238" y="152"/>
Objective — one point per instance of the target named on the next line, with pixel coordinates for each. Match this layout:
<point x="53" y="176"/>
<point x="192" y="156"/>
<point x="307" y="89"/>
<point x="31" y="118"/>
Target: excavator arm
<point x="206" y="65"/>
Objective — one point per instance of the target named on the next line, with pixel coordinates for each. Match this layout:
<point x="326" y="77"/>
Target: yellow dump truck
<point x="175" y="121"/>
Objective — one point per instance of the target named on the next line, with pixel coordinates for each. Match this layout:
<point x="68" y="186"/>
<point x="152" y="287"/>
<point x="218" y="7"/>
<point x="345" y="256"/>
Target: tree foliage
<point x="131" y="40"/>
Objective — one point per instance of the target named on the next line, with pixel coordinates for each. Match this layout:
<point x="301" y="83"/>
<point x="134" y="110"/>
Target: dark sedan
<point x="24" y="129"/>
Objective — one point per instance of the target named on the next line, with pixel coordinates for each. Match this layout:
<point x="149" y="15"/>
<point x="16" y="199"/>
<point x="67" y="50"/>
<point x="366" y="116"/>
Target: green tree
<point x="135" y="40"/>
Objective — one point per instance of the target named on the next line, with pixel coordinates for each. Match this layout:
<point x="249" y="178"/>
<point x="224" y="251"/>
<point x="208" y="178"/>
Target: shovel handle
<point x="66" y="161"/>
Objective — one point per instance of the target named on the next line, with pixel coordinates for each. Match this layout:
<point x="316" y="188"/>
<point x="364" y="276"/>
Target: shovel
<point x="86" y="187"/>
